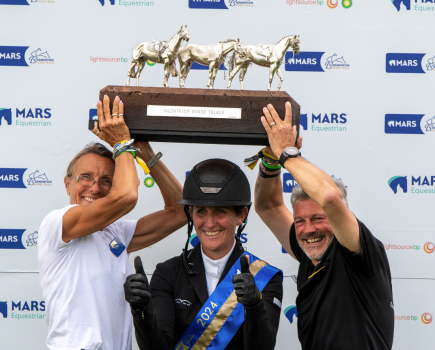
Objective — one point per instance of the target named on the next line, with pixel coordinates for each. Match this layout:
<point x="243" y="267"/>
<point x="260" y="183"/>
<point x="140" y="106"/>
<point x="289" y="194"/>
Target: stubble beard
<point x="318" y="255"/>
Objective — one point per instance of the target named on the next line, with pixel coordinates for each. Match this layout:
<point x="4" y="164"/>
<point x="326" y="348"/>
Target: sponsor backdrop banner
<point x="364" y="79"/>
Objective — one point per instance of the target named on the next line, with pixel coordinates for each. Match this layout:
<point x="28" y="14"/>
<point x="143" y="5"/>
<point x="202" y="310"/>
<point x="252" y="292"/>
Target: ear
<point x="66" y="181"/>
<point x="241" y="219"/>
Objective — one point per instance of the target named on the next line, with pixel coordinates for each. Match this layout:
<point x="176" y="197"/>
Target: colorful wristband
<point x="271" y="167"/>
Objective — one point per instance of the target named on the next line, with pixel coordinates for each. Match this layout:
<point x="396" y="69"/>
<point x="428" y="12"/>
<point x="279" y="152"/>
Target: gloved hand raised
<point x="244" y="285"/>
<point x="136" y="287"/>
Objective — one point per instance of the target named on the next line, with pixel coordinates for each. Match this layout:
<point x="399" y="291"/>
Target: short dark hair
<point x="90" y="148"/>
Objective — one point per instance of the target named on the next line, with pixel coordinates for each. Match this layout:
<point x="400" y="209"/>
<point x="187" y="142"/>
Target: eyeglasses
<point x="88" y="180"/>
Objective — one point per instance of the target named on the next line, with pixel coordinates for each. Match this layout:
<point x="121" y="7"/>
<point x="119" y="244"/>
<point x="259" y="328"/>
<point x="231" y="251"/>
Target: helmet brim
<point x="214" y="203"/>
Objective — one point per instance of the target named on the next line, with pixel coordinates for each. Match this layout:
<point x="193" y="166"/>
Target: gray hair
<point x="298" y="194"/>
<point x="90" y="148"/>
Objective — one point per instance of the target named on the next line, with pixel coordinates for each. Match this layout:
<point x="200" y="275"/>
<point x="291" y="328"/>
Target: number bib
<point x="221" y="316"/>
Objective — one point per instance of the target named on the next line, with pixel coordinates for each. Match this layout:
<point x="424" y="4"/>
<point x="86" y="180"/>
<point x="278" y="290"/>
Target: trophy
<point x="210" y="116"/>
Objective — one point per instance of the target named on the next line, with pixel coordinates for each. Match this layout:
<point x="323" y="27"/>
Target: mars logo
<point x="397" y="181"/>
<point x="290" y="312"/>
<point x="6" y="115"/>
<point x="13" y="55"/>
<point x="34" y="113"/>
<point x="426" y="318"/>
<point x="303" y="62"/>
<point x="288" y="183"/>
<point x="423" y="182"/>
<point x="398" y="3"/>
<point x="11" y="178"/>
<point x="14" y="2"/>
<point x="4" y="308"/>
<point x="409" y="124"/>
<point x="112" y="2"/>
<point x="406" y="4"/>
<point x="208" y="4"/>
<point x="11" y="239"/>
<point x="403" y="123"/>
<point x="429" y="247"/>
<point x="404" y="63"/>
<point x="330" y="121"/>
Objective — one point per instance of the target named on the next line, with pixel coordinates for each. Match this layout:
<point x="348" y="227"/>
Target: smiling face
<point x="313" y="231"/>
<point x="100" y="168"/>
<point x="215" y="227"/>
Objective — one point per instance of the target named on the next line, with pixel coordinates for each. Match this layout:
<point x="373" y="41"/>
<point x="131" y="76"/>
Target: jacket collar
<point x="199" y="281"/>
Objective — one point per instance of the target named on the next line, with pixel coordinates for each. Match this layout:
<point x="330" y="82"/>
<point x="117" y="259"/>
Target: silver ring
<point x="120" y="115"/>
<point x="114" y="114"/>
<point x="272" y="124"/>
<point x="97" y="132"/>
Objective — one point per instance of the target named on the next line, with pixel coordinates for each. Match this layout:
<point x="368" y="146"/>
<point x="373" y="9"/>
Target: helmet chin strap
<point x="189" y="233"/>
<point x="242" y="226"/>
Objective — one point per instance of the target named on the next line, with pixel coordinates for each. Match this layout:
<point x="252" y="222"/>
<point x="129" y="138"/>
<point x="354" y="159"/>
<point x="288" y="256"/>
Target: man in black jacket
<point x="345" y="296"/>
<point x="216" y="295"/>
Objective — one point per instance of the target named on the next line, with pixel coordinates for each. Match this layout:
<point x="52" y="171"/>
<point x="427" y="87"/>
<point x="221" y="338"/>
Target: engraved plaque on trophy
<point x="209" y="116"/>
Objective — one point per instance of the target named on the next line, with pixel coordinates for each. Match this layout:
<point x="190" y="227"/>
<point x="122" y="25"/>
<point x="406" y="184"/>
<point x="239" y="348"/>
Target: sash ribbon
<point x="221" y="316"/>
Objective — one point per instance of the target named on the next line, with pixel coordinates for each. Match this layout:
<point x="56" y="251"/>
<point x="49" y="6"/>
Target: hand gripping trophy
<point x="160" y="52"/>
<point x="263" y="55"/>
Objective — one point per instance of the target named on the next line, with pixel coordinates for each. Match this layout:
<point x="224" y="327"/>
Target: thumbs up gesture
<point x="244" y="285"/>
<point x="136" y="287"/>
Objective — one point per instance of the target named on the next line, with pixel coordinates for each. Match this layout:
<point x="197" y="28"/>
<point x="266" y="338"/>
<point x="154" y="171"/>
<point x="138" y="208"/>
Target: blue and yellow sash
<point x="221" y="316"/>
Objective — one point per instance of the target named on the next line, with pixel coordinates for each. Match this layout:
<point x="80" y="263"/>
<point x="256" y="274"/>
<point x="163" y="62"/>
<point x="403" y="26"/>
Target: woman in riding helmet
<point x="215" y="296"/>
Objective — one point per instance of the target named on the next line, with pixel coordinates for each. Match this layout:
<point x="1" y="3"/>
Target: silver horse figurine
<point x="211" y="55"/>
<point x="160" y="52"/>
<point x="263" y="55"/>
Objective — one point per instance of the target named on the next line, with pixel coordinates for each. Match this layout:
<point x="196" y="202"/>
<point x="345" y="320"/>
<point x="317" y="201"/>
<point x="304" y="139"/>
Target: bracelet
<point x="266" y="176"/>
<point x="153" y="161"/>
<point x="121" y="144"/>
<point x="252" y="162"/>
<point x="269" y="166"/>
<point x="123" y="149"/>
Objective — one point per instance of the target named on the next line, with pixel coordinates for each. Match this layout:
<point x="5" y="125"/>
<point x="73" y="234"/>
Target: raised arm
<point x="270" y="207"/>
<point x="156" y="226"/>
<point x="81" y="221"/>
<point x="314" y="181"/>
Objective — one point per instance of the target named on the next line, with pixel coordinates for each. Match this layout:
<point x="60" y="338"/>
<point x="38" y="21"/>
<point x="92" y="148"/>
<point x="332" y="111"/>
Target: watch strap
<point x="285" y="156"/>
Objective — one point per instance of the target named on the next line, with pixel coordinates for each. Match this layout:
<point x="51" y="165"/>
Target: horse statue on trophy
<point x="211" y="55"/>
<point x="263" y="55"/>
<point x="164" y="52"/>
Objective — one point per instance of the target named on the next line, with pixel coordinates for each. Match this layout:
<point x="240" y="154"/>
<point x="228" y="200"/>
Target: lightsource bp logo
<point x="426" y="318"/>
<point x="429" y="247"/>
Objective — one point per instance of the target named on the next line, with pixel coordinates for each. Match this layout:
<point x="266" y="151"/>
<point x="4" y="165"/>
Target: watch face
<point x="291" y="151"/>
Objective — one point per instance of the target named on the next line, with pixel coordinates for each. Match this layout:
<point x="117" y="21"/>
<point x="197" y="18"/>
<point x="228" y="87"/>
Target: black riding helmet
<point x="214" y="182"/>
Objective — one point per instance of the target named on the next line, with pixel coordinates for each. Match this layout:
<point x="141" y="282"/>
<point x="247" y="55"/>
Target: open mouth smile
<point x="212" y="233"/>
<point x="89" y="199"/>
<point x="314" y="240"/>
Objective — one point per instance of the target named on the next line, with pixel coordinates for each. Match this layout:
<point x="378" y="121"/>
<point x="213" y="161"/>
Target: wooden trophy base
<point x="198" y="115"/>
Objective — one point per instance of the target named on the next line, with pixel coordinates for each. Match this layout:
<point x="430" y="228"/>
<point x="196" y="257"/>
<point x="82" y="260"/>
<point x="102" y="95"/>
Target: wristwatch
<point x="289" y="152"/>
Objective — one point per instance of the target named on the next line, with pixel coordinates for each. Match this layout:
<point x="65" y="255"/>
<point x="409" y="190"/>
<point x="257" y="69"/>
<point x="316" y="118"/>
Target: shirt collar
<point x="215" y="268"/>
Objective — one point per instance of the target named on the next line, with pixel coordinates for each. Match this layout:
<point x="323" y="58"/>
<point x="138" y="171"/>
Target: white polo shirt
<point x="82" y="283"/>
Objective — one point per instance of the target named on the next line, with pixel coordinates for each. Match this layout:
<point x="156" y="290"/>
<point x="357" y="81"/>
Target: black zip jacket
<point x="176" y="299"/>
